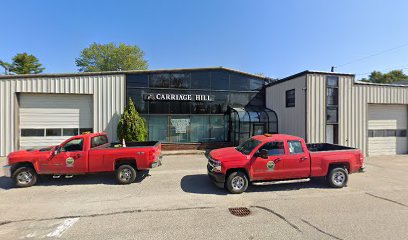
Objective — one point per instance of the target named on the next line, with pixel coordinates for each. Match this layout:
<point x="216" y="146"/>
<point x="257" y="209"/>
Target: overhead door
<point x="387" y="129"/>
<point x="48" y="119"/>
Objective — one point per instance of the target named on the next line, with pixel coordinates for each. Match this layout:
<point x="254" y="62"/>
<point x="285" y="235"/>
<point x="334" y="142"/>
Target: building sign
<point x="178" y="97"/>
<point x="180" y="125"/>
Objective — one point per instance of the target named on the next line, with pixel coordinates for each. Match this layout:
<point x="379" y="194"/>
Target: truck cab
<point x="278" y="157"/>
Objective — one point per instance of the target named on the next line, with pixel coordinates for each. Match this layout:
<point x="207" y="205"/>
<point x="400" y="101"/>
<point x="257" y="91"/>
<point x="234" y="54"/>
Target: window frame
<point x="269" y="155"/>
<point x="301" y="146"/>
<point x="289" y="104"/>
<point x="81" y="142"/>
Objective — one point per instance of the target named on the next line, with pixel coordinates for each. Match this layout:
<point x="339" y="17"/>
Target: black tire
<point x="337" y="177"/>
<point x="125" y="174"/>
<point x="237" y="182"/>
<point x="25" y="177"/>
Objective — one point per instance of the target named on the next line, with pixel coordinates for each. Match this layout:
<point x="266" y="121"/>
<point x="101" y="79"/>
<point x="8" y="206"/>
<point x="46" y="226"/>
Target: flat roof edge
<point x="48" y="75"/>
<point x="308" y="72"/>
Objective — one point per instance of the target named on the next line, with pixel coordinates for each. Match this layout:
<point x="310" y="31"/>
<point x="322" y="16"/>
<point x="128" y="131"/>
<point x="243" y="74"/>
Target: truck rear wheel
<point x="25" y="177"/>
<point x="125" y="174"/>
<point x="337" y="177"/>
<point x="237" y="182"/>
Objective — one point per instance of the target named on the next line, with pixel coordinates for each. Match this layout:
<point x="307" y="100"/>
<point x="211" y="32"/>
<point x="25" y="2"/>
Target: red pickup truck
<point x="278" y="157"/>
<point x="88" y="153"/>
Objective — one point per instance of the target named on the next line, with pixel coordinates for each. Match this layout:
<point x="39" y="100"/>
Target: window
<point x="53" y="132"/>
<point x="332" y="96"/>
<point x="274" y="148"/>
<point x="161" y="80"/>
<point x="219" y="80"/>
<point x="137" y="80"/>
<point x="200" y="80"/>
<point x="180" y="80"/>
<point x="290" y="98"/>
<point x="29" y="132"/>
<point x="70" y="131"/>
<point x="158" y="128"/>
<point x="332" y="81"/>
<point x="332" y="133"/>
<point x="98" y="141"/>
<point x="331" y="115"/>
<point x="247" y="146"/>
<point x="387" y="133"/>
<point x="73" y="145"/>
<point x="239" y="82"/>
<point x="295" y="147"/>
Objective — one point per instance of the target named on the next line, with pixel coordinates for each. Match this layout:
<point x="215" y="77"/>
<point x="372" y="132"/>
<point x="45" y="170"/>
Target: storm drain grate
<point x="240" y="211"/>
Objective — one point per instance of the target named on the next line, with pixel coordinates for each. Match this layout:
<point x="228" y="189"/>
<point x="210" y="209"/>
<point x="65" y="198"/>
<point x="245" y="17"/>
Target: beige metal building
<point x="333" y="107"/>
<point x="57" y="106"/>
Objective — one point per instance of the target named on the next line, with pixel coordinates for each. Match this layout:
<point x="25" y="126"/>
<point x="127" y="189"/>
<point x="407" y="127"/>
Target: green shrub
<point x="131" y="126"/>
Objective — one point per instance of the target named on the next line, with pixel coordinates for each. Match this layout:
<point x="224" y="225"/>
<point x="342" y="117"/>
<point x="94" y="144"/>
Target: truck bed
<point x="129" y="144"/>
<point x="325" y="147"/>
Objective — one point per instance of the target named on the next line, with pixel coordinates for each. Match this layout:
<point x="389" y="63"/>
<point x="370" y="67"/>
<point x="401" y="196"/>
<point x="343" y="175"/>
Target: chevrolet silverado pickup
<point x="82" y="154"/>
<point x="279" y="157"/>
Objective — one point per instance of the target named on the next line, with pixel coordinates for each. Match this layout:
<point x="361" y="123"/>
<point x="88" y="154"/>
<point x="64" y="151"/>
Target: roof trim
<point x="309" y="72"/>
<point x="380" y="84"/>
<point x="129" y="72"/>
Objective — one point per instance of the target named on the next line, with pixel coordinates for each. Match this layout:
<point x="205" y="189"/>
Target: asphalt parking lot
<point x="177" y="201"/>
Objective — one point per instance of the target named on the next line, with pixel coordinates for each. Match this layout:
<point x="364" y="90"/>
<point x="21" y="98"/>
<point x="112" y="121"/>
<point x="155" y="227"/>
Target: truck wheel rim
<point x="125" y="174"/>
<point x="237" y="183"/>
<point x="339" y="178"/>
<point x="24" y="177"/>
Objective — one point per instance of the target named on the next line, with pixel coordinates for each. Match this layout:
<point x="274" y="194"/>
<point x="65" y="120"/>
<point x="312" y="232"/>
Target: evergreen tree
<point x="131" y="126"/>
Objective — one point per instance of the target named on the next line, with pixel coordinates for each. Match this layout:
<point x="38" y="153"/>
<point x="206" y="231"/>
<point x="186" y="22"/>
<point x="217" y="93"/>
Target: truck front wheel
<point x="237" y="182"/>
<point x="125" y="174"/>
<point x="25" y="177"/>
<point x="338" y="177"/>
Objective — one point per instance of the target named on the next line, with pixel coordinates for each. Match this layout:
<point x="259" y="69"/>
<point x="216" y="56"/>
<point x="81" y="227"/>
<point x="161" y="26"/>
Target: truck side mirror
<point x="263" y="154"/>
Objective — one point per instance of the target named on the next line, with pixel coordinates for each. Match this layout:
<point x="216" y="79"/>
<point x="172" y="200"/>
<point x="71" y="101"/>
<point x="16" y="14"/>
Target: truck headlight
<point x="216" y="165"/>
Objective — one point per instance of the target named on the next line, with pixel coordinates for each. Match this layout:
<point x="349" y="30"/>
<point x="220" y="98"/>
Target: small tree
<point x="24" y="63"/>
<point x="131" y="126"/>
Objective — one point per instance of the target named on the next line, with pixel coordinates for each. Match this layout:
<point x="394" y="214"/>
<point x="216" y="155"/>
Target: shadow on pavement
<point x="100" y="178"/>
<point x="201" y="184"/>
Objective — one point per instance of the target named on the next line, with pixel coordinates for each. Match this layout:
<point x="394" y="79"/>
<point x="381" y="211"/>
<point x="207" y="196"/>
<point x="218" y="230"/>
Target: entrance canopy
<point x="247" y="122"/>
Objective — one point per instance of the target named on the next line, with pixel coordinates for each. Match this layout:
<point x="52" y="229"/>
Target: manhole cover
<point x="240" y="211"/>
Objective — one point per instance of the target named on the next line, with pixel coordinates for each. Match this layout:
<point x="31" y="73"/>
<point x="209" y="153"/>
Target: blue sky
<point x="277" y="38"/>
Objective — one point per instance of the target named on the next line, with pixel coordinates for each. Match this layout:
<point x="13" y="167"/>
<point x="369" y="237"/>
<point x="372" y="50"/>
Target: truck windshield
<point x="247" y="146"/>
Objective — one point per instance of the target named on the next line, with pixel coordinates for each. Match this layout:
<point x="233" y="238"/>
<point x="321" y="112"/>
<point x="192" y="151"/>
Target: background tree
<point x="109" y="57"/>
<point x="390" y="77"/>
<point x="24" y="63"/>
<point x="6" y="67"/>
<point x="131" y="126"/>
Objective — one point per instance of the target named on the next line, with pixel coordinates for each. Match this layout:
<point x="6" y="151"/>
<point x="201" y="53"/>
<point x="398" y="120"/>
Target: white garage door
<point x="48" y="119"/>
<point x="387" y="129"/>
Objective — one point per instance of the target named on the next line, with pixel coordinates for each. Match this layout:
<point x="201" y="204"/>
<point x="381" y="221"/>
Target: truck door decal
<point x="270" y="165"/>
<point x="70" y="162"/>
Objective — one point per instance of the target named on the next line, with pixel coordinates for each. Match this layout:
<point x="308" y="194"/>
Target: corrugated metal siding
<point x="316" y="108"/>
<point x="290" y="120"/>
<point x="353" y="106"/>
<point x="108" y="97"/>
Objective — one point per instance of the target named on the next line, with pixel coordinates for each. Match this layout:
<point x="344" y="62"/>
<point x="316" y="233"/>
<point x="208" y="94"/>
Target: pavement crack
<point x="320" y="230"/>
<point x="279" y="216"/>
<point x="105" y="214"/>
<point x="386" y="199"/>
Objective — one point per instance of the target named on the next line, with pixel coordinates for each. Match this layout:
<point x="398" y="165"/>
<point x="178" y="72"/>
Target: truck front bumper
<point x="7" y="171"/>
<point x="157" y="163"/>
<point x="217" y="178"/>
